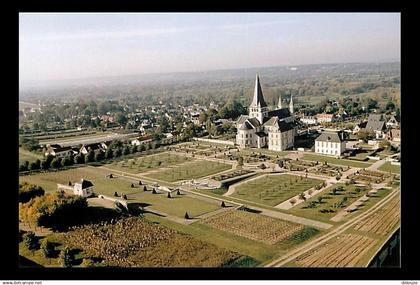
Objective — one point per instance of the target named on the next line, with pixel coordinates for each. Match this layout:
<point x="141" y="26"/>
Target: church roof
<point x="281" y="113"/>
<point x="282" y="125"/>
<point x="242" y="119"/>
<point x="245" y="126"/>
<point x="254" y="122"/>
<point x="258" y="100"/>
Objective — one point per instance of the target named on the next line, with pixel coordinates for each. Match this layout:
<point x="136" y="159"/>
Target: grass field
<point x="27" y="155"/>
<point x="388" y="167"/>
<point x="321" y="158"/>
<point x="146" y="163"/>
<point x="274" y="189"/>
<point x="191" y="170"/>
<point x="311" y="207"/>
<point x="102" y="185"/>
<point x="175" y="206"/>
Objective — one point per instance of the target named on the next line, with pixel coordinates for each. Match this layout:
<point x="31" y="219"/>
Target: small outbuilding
<point x="84" y="188"/>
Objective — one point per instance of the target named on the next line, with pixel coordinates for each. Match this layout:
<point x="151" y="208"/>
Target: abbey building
<point x="274" y="129"/>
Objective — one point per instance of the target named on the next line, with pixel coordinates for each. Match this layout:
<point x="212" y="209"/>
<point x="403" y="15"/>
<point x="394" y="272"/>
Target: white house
<point x="330" y="143"/>
<point x="58" y="151"/>
<point x="84" y="188"/>
<point x="325" y="118"/>
<point x="141" y="140"/>
<point x="309" y="120"/>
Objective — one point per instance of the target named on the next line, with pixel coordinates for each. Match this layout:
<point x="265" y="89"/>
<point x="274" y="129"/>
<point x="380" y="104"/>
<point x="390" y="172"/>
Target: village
<point x="275" y="186"/>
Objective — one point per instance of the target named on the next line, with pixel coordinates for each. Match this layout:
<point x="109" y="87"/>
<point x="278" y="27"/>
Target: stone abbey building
<point x="274" y="129"/>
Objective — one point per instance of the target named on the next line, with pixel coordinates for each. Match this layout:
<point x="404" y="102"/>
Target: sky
<point x="69" y="45"/>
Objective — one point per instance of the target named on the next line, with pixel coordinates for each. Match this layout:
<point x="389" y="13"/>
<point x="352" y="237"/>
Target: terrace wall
<point x="214" y="141"/>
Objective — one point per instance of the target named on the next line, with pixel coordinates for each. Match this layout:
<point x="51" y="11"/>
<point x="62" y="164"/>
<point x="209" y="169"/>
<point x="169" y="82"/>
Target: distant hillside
<point x="279" y="72"/>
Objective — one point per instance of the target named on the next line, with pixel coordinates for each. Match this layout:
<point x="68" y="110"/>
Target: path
<point x="376" y="165"/>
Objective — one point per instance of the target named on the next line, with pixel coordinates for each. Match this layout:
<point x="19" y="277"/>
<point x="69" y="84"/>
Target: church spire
<point x="258" y="100"/>
<point x="291" y="109"/>
<point x="279" y="104"/>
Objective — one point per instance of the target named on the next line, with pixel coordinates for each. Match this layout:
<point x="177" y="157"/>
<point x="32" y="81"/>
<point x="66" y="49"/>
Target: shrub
<point x="293" y="201"/>
<point x="186" y="216"/>
<point x="47" y="248"/>
<point x="66" y="258"/>
<point x="87" y="262"/>
<point x="30" y="241"/>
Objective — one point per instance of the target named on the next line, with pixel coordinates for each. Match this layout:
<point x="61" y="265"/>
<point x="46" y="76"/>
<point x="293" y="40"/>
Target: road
<point x="290" y="256"/>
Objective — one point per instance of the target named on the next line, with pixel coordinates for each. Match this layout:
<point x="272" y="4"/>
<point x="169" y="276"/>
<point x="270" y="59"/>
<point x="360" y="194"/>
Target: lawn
<point x="146" y="163"/>
<point x="28" y="155"/>
<point x="388" y="167"/>
<point x="191" y="170"/>
<point x="272" y="153"/>
<point x="332" y="160"/>
<point x="312" y="208"/>
<point x="102" y="185"/>
<point x="175" y="206"/>
<point x="273" y="189"/>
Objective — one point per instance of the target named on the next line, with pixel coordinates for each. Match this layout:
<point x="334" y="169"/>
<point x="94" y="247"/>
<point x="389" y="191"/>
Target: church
<point x="262" y="128"/>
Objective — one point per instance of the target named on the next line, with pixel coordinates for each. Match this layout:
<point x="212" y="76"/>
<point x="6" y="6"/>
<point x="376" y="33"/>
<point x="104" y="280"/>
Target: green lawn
<point x="175" y="206"/>
<point x="388" y="167"/>
<point x="102" y="185"/>
<point x="321" y="158"/>
<point x="145" y="163"/>
<point x="274" y="189"/>
<point x="192" y="170"/>
<point x="328" y="202"/>
<point x="28" y="155"/>
<point x="249" y="151"/>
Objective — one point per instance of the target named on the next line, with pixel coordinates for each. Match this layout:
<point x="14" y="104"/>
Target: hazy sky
<point x="64" y="46"/>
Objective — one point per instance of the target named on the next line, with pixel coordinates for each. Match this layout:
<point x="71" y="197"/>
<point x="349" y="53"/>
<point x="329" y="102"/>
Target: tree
<point x="223" y="204"/>
<point x="47" y="248"/>
<point x="109" y="153"/>
<point x="385" y="144"/>
<point x="99" y="155"/>
<point x="390" y="106"/>
<point x="117" y="152"/>
<point x="126" y="150"/>
<point x="35" y="165"/>
<point x="90" y="156"/>
<point x="79" y="159"/>
<point x="144" y="188"/>
<point x="365" y="135"/>
<point x="30" y="241"/>
<point x="24" y="166"/>
<point x="66" y="258"/>
<point x="66" y="161"/>
<point x="302" y="196"/>
<point x="28" y="191"/>
<point x="134" y="149"/>
<point x="120" y="119"/>
<point x="240" y="161"/>
<point x="186" y="216"/>
<point x="56" y="162"/>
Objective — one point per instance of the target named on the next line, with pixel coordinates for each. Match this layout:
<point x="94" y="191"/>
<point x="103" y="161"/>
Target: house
<point x="376" y="124"/>
<point x="330" y="142"/>
<point x="325" y="118"/>
<point x="392" y="122"/>
<point x="58" y="151"/>
<point x="394" y="135"/>
<point x="94" y="146"/>
<point x="358" y="127"/>
<point x="142" y="140"/>
<point x="309" y="120"/>
<point x="274" y="129"/>
<point x="195" y="119"/>
<point x="84" y="188"/>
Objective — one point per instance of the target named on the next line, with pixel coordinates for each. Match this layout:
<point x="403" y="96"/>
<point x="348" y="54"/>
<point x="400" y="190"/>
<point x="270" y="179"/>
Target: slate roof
<point x="329" y="137"/>
<point x="261" y="134"/>
<point x="86" y="183"/>
<point x="254" y="122"/>
<point x="246" y="126"/>
<point x="258" y="100"/>
<point x="375" y="123"/>
<point x="282" y="125"/>
<point x="281" y="113"/>
<point x="242" y="119"/>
